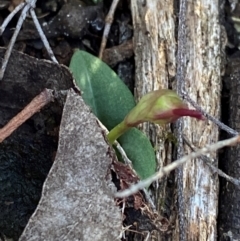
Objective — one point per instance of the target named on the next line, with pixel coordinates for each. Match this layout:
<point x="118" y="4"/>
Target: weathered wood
<point x="155" y="47"/>
<point x="155" y="51"/>
<point x="203" y="82"/>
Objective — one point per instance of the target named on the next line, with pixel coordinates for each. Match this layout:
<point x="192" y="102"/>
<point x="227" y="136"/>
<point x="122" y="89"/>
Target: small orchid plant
<point x="161" y="107"/>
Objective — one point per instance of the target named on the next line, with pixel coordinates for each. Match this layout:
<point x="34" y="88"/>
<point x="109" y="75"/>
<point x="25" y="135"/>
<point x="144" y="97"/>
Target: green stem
<point x="116" y="132"/>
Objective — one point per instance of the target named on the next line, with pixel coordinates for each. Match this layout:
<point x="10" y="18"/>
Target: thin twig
<point x="213" y="119"/>
<point x="165" y="170"/>
<point x="10" y="16"/>
<point x="13" y="40"/>
<point x="214" y="169"/>
<point x="29" y="5"/>
<point x="34" y="106"/>
<point x="42" y="36"/>
<point x="127" y="161"/>
<point x="108" y="23"/>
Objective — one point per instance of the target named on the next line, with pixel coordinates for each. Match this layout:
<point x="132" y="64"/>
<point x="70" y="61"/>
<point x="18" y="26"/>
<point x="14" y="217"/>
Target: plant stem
<point x="116" y="132"/>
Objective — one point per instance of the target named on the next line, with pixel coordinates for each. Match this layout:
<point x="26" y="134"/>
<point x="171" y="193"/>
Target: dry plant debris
<point x="27" y="6"/>
<point x="165" y="170"/>
<point x="138" y="215"/>
<point x="34" y="106"/>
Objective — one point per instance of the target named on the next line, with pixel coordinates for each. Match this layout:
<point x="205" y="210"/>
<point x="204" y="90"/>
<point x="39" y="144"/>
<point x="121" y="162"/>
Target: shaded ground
<point x="26" y="156"/>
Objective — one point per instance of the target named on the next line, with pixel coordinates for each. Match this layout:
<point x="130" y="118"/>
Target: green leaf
<point x="140" y="151"/>
<point x="111" y="100"/>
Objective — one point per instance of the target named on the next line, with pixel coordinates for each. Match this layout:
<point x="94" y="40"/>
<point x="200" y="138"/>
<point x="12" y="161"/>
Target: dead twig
<point x="214" y="169"/>
<point x="34" y="106"/>
<point x="165" y="170"/>
<point x="209" y="117"/>
<point x="26" y="7"/>
<point x="108" y="23"/>
<point x="42" y="35"/>
<point x="127" y="161"/>
<point x="10" y="16"/>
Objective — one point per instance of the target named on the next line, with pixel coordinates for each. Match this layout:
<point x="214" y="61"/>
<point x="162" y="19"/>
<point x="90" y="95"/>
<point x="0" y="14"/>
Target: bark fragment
<point x="77" y="199"/>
